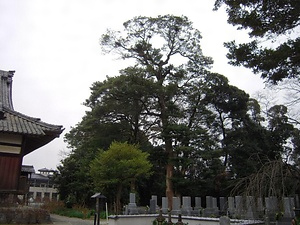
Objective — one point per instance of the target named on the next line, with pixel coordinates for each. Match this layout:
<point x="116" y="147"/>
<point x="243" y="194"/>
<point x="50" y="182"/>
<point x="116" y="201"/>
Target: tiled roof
<point x="37" y="176"/>
<point x="27" y="169"/>
<point x="14" y="122"/>
<point x="35" y="132"/>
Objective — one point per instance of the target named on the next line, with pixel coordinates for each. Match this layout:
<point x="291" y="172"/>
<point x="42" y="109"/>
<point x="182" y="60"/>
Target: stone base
<point x="132" y="209"/>
<point x="8" y="200"/>
<point x="210" y="212"/>
<point x="23" y="215"/>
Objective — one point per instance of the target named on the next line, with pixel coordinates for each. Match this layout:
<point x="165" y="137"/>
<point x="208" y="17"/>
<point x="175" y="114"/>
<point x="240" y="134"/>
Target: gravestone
<point x="223" y="206"/>
<point x="231" y="206"/>
<point x="197" y="209"/>
<point x="153" y="205"/>
<point x="176" y="206"/>
<point x="198" y="203"/>
<point x="271" y="206"/>
<point x="288" y="205"/>
<point x="210" y="209"/>
<point x="239" y="209"/>
<point x="164" y="205"/>
<point x="215" y="206"/>
<point x="260" y="208"/>
<point x="250" y="207"/>
<point x="186" y="206"/>
<point x="152" y="209"/>
<point x="132" y="208"/>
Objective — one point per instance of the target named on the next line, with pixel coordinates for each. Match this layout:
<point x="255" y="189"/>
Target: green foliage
<point x="121" y="164"/>
<point x="197" y="131"/>
<point x="262" y="17"/>
<point x="73" y="180"/>
<point x="266" y="19"/>
<point x="76" y="211"/>
<point x="162" y="107"/>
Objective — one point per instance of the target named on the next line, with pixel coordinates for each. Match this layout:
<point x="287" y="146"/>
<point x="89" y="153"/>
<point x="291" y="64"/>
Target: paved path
<point x="62" y="220"/>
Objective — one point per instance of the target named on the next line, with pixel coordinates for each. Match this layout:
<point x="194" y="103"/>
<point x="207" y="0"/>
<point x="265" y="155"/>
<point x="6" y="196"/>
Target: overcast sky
<point x="53" y="45"/>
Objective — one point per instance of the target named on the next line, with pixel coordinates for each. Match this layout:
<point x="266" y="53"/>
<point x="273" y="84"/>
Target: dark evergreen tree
<point x="271" y="20"/>
<point x="168" y="49"/>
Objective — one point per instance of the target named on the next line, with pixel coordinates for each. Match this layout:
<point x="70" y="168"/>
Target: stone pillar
<point x="210" y="209"/>
<point x="271" y="206"/>
<point x="223" y="206"/>
<point x="239" y="209"/>
<point x="288" y="205"/>
<point x="176" y="206"/>
<point x="152" y="209"/>
<point x="197" y="209"/>
<point x="153" y="204"/>
<point x="164" y="205"/>
<point x="215" y="207"/>
<point x="132" y="208"/>
<point x="250" y="207"/>
<point x="231" y="207"/>
<point x="260" y="208"/>
<point x="186" y="206"/>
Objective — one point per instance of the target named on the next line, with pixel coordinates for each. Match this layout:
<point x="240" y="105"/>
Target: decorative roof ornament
<point x="6" y="89"/>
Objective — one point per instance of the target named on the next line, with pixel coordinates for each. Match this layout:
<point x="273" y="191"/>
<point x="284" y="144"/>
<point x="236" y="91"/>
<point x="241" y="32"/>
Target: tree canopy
<point x="119" y="166"/>
<point x="274" y="20"/>
<point x="168" y="50"/>
<point x="201" y="133"/>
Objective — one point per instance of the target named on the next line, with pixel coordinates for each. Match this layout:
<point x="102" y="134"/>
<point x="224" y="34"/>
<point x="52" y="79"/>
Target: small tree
<point x="119" y="166"/>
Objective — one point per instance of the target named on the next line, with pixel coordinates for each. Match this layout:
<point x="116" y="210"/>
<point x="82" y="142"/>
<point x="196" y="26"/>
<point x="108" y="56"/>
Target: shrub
<point x="77" y="211"/>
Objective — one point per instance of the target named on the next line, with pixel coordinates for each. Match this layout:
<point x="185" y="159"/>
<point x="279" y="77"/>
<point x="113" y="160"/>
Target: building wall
<point x="10" y="167"/>
<point x="42" y="194"/>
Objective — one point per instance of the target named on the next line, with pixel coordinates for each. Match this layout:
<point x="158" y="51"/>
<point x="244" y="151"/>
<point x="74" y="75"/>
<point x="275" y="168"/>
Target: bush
<point x="61" y="209"/>
<point x="54" y="206"/>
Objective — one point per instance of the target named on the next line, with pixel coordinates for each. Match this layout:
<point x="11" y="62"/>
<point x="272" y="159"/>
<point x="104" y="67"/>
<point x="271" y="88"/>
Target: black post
<point x="169" y="218"/>
<point x="99" y="199"/>
<point x="179" y="220"/>
<point x="95" y="218"/>
<point x="98" y="211"/>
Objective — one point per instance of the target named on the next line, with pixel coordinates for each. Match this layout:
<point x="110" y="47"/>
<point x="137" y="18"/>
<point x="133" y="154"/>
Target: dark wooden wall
<point x="10" y="168"/>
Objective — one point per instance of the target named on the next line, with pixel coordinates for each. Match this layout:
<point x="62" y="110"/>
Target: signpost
<point x="99" y="200"/>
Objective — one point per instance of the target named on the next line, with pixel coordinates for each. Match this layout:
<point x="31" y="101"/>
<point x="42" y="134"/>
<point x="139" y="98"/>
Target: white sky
<point x="53" y="47"/>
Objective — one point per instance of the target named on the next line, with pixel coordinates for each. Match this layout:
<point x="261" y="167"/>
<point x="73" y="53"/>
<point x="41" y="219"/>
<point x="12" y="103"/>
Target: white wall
<point x="148" y="219"/>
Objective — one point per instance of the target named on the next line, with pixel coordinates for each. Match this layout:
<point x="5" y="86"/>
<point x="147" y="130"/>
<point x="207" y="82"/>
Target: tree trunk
<point x="132" y="186"/>
<point x="169" y="175"/>
<point x="169" y="151"/>
<point x="118" y="199"/>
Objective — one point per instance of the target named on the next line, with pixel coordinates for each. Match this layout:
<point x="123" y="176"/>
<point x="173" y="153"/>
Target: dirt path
<point x="62" y="220"/>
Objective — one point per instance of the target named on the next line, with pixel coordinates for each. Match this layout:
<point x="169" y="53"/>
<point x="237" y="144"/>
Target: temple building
<point x="42" y="188"/>
<point x="19" y="135"/>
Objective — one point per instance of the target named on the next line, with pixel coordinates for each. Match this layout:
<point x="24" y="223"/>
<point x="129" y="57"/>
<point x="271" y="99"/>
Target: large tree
<point x="168" y="49"/>
<point x="190" y="121"/>
<point x="228" y="105"/>
<point x="114" y="115"/>
<point x="264" y="158"/>
<point x="267" y="22"/>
